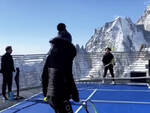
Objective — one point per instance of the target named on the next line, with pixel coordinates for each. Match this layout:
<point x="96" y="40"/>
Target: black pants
<point x="110" y="68"/>
<point x="59" y="105"/>
<point x="7" y="81"/>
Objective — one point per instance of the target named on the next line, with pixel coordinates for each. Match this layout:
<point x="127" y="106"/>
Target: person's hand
<point x="75" y="97"/>
<point x="45" y="99"/>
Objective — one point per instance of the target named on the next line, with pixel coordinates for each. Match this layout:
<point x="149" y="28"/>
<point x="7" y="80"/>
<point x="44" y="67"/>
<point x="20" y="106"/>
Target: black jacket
<point x="107" y="58"/>
<point x="7" y="63"/>
<point x="57" y="72"/>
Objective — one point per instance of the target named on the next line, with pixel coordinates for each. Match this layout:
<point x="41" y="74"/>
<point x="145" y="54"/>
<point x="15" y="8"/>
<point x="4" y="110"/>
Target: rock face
<point x="122" y="35"/>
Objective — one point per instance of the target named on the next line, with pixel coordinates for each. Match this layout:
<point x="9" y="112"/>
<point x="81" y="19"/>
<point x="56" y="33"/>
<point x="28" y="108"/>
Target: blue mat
<point x="107" y="98"/>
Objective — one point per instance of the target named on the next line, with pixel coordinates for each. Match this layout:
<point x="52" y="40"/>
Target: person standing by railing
<point x="108" y="61"/>
<point x="7" y="69"/>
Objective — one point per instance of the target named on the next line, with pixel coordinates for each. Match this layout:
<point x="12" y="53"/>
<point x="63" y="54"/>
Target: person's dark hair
<point x="108" y="48"/>
<point x="61" y="27"/>
<point x="7" y="48"/>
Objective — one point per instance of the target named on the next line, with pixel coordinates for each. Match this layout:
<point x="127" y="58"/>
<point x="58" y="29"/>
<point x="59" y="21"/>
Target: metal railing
<point x="30" y="70"/>
<point x="85" y="65"/>
<point x="124" y="64"/>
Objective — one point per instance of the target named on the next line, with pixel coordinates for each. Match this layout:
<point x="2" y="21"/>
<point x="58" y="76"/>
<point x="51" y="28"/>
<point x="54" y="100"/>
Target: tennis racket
<point x="88" y="106"/>
<point x="112" y="62"/>
<point x="107" y="65"/>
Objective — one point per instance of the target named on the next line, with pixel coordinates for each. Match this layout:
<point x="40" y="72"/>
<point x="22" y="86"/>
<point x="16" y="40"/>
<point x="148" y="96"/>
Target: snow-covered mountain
<point x="121" y="35"/>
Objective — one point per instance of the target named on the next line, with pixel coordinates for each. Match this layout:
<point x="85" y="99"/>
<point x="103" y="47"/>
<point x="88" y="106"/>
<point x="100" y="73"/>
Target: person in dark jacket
<point x="57" y="78"/>
<point x="108" y="61"/>
<point x="7" y="68"/>
<point x="63" y="33"/>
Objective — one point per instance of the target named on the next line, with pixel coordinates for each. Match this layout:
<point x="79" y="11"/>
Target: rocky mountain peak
<point x="121" y="35"/>
<point x="145" y="19"/>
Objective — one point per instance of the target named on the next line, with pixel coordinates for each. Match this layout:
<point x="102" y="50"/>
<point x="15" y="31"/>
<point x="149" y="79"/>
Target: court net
<point x="116" y="80"/>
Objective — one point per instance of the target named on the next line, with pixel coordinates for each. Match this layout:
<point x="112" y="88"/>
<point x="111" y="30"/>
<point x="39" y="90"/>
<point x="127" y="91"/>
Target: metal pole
<point x="149" y="67"/>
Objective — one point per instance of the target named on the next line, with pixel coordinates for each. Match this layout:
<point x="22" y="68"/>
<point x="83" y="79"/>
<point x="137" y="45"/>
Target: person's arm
<point x="1" y="66"/>
<point x="72" y="85"/>
<point x="103" y="60"/>
<point x="13" y="68"/>
<point x="74" y="90"/>
<point x="45" y="77"/>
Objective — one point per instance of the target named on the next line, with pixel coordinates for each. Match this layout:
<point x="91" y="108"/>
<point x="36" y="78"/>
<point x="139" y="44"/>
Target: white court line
<point x="130" y="84"/>
<point x="19" y="103"/>
<point x="121" y="90"/>
<point x="86" y="100"/>
<point x="116" y="78"/>
<point x="120" y="102"/>
<point x="128" y="90"/>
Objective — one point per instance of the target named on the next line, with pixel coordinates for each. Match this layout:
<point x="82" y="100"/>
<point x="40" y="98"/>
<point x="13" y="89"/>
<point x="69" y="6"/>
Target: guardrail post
<point x="149" y="67"/>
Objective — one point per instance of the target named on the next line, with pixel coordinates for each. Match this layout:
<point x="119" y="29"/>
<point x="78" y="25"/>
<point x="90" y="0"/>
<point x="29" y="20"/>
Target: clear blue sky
<point x="28" y="25"/>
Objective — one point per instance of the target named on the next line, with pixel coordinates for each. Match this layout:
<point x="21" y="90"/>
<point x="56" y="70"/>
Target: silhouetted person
<point x="63" y="33"/>
<point x="57" y="77"/>
<point x="7" y="68"/>
<point x="17" y="81"/>
<point x="108" y="61"/>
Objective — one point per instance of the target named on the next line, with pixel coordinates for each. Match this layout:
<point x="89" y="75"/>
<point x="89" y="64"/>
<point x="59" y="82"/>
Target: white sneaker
<point x="113" y="82"/>
<point x="148" y="85"/>
<point x="102" y="81"/>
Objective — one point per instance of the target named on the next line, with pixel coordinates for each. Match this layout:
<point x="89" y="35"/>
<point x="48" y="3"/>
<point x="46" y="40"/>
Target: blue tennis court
<point x="107" y="99"/>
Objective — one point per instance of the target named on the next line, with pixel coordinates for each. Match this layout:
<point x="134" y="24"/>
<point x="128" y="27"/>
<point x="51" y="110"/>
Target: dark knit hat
<point x="61" y="27"/>
<point x="108" y="48"/>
